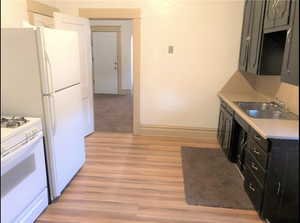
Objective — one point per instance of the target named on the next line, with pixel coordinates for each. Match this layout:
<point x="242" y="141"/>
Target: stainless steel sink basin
<point x="266" y="110"/>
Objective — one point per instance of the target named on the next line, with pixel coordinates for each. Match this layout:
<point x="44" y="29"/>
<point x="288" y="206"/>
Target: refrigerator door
<point x="61" y="56"/>
<point x="65" y="136"/>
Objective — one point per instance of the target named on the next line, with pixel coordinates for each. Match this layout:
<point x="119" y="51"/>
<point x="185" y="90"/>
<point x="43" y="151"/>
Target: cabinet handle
<point x="288" y="35"/>
<point x="278" y="188"/>
<point x="255" y="151"/>
<point x="245" y="143"/>
<point x="257" y="138"/>
<point x="246" y="53"/>
<point x="254" y="166"/>
<point x="251" y="187"/>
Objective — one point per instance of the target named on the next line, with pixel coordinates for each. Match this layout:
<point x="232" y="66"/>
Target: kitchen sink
<point x="266" y="110"/>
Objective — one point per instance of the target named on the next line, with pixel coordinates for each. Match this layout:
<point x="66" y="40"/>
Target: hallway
<point x="113" y="113"/>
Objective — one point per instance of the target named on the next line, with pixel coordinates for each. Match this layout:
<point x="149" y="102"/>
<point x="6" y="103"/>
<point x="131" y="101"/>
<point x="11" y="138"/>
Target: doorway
<point x="112" y="75"/>
<point x="133" y="15"/>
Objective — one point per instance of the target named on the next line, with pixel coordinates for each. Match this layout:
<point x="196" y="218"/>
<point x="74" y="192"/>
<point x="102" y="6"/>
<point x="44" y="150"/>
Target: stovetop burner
<point x="13" y="122"/>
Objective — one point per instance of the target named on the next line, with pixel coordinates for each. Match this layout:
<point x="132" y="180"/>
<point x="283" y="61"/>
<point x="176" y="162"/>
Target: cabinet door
<point x="282" y="12"/>
<point x="290" y="68"/>
<point x="277" y="13"/>
<point x="228" y="131"/>
<point x="245" y="39"/>
<point x="223" y="128"/>
<point x="270" y="14"/>
<point x="281" y="200"/>
<point x="220" y="127"/>
<point x="289" y="209"/>
<point x="272" y="198"/>
<point x="227" y="135"/>
<point x="242" y="147"/>
<point x="255" y="35"/>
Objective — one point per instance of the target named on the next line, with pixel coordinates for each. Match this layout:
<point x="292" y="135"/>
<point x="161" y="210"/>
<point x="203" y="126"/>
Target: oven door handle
<point x="19" y="153"/>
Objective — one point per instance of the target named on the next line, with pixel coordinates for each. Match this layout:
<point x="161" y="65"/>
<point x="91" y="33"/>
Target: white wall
<point x="181" y="89"/>
<point x="14" y="12"/>
<point x="126" y="28"/>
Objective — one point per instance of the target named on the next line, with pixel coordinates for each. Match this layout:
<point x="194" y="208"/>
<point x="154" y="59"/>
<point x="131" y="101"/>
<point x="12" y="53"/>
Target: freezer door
<point x="61" y="53"/>
<point x="67" y="135"/>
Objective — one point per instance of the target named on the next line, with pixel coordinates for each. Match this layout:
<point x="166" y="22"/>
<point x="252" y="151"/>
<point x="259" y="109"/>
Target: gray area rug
<point x="211" y="180"/>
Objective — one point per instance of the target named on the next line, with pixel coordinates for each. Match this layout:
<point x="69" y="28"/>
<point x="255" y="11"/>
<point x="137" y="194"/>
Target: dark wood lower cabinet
<point x="270" y="167"/>
<point x="226" y="131"/>
<point x="281" y="198"/>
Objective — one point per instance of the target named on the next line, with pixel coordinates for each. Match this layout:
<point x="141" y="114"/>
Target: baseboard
<point x="124" y="91"/>
<point x="177" y="131"/>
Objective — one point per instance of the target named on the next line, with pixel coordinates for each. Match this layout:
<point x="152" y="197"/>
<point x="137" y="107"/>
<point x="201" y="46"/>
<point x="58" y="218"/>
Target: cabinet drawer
<point x="258" y="153"/>
<point x="260" y="140"/>
<point x="253" y="189"/>
<point x="255" y="168"/>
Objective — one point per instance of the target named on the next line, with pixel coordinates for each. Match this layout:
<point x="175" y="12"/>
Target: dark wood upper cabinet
<point x="255" y="35"/>
<point x="290" y="67"/>
<point x="251" y="36"/>
<point x="270" y="14"/>
<point x="245" y="39"/>
<point x="277" y="13"/>
<point x="282" y="12"/>
<point x="270" y="39"/>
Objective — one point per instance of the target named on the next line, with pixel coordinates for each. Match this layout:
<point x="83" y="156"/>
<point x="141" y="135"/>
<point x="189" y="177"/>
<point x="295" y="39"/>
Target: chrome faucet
<point x="281" y="104"/>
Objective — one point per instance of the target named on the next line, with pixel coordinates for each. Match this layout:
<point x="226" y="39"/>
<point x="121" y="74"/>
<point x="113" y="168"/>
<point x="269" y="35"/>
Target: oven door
<point x="23" y="178"/>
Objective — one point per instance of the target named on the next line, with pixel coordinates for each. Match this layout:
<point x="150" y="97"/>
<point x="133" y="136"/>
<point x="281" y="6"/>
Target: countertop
<point x="267" y="128"/>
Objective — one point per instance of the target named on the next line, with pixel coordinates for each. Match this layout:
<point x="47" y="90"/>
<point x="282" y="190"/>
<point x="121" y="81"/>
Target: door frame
<point x="132" y="14"/>
<point x="116" y="29"/>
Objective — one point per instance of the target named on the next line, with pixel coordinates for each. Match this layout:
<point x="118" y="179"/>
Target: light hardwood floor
<point x="131" y="179"/>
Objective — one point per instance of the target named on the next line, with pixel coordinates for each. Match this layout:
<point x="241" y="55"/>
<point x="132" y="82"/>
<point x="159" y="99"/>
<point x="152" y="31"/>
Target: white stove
<point x="24" y="191"/>
<point x="16" y="131"/>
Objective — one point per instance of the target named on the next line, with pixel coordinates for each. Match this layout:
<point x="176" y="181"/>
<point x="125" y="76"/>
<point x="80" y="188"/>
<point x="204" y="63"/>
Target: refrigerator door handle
<point x="50" y="71"/>
<point x="53" y="113"/>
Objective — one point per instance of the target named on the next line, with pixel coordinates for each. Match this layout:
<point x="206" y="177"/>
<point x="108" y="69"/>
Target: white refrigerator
<point x="40" y="77"/>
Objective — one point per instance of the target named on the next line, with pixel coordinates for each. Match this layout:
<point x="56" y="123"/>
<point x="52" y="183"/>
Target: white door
<point x="82" y="26"/>
<point x="67" y="141"/>
<point x="62" y="56"/>
<point x="105" y="62"/>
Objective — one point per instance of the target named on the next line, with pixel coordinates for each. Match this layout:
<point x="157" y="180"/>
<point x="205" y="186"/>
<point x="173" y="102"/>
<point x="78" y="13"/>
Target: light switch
<point x="171" y="49"/>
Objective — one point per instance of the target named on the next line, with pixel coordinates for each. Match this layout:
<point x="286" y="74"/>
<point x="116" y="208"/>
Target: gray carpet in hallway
<point x="113" y="113"/>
